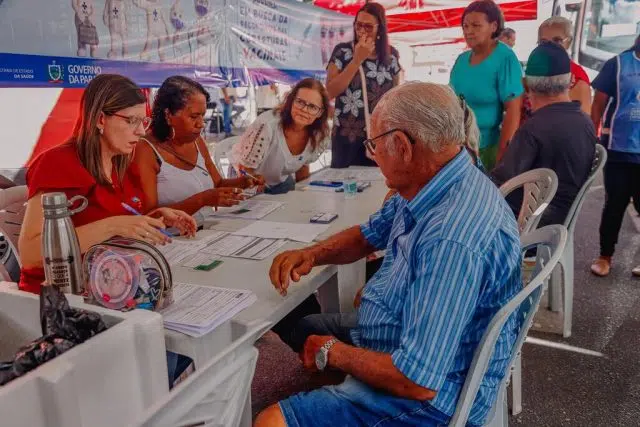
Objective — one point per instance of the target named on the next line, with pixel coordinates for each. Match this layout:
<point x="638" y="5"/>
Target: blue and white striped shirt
<point x="452" y="261"/>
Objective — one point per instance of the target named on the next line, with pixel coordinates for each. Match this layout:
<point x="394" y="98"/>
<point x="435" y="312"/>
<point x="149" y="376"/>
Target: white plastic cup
<point x="350" y="188"/>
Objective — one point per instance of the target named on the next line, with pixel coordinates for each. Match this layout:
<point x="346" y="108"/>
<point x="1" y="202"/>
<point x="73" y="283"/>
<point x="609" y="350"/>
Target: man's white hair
<point x="549" y="86"/>
<point x="430" y="113"/>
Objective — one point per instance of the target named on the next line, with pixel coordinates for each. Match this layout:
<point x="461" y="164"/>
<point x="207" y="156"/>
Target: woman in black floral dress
<point x="381" y="68"/>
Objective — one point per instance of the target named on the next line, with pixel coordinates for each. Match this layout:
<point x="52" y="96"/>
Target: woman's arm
<point x="148" y="168"/>
<point x="338" y="81"/>
<point x="509" y="124"/>
<point x="597" y="109"/>
<point x="303" y="173"/>
<point x="30" y="242"/>
<point x="582" y="92"/>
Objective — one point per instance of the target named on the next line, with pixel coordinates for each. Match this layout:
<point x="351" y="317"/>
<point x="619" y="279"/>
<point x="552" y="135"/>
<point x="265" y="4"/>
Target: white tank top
<point x="176" y="185"/>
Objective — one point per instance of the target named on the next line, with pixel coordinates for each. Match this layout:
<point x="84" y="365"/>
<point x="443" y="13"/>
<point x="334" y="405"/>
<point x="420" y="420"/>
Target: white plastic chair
<point x="222" y="150"/>
<point x="563" y="274"/>
<point x="216" y="394"/>
<point x="550" y="241"/>
<point x="12" y="207"/>
<point x="539" y="187"/>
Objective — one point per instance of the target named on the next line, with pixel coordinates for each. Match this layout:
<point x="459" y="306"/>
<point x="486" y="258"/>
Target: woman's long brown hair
<point x="319" y="129"/>
<point x="108" y="94"/>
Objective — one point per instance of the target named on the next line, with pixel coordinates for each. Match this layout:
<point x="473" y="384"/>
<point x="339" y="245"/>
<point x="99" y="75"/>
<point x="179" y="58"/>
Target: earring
<point x="378" y="38"/>
<point x="173" y="133"/>
<point x="101" y="130"/>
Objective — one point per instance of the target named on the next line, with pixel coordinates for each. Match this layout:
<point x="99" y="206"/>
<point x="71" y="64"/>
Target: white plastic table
<point x="337" y="285"/>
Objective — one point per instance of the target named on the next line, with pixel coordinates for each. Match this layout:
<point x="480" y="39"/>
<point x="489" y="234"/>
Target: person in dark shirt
<point x="617" y="105"/>
<point x="559" y="136"/>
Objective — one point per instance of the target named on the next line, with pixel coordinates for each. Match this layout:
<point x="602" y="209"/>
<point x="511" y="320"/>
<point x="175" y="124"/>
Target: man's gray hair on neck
<point x="430" y="113"/>
<point x="549" y="86"/>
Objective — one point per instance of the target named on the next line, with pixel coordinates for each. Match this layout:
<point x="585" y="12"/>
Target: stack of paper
<point x="208" y="248"/>
<point x="283" y="230"/>
<point x="250" y="209"/>
<point x="197" y="310"/>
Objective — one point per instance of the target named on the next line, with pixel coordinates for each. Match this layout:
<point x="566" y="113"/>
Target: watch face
<point x="321" y="360"/>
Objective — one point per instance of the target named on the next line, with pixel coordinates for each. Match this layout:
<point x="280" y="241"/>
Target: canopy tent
<point x="415" y="15"/>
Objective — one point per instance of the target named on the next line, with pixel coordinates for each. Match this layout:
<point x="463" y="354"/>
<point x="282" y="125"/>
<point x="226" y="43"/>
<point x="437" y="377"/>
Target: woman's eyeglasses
<point x="134" y="121"/>
<point x="304" y="105"/>
<point x="371" y="145"/>
<point x="365" y="27"/>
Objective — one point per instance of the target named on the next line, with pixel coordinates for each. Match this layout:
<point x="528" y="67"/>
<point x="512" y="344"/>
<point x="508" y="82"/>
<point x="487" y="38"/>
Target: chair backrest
<point x="215" y="394"/>
<point x="222" y="150"/>
<point x="599" y="160"/>
<point x="12" y="207"/>
<point x="539" y="186"/>
<point x="550" y="242"/>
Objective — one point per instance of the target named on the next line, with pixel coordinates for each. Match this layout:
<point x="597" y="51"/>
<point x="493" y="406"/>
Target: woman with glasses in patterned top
<point x="280" y="144"/>
<point x="370" y="61"/>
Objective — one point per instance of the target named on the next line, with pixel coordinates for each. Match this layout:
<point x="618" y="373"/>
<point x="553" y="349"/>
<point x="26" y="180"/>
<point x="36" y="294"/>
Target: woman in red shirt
<point x="559" y="30"/>
<point x="94" y="163"/>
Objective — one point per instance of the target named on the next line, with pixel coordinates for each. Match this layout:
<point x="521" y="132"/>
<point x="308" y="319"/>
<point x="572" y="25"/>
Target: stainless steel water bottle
<point x="60" y="248"/>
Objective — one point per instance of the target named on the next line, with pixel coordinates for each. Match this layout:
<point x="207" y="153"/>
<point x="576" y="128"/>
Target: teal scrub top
<point x="487" y="86"/>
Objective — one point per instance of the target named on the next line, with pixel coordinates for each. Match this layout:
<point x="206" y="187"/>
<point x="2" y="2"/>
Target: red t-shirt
<point x="577" y="74"/>
<point x="59" y="169"/>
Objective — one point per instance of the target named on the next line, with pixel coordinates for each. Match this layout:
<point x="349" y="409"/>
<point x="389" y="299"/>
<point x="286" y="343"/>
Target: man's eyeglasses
<point x="134" y="121"/>
<point x="365" y="27"/>
<point x="304" y="105"/>
<point x="371" y="145"/>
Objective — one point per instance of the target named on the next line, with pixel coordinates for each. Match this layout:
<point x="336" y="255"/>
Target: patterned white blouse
<point x="263" y="147"/>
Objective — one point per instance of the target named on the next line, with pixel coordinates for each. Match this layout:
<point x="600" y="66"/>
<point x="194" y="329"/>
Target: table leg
<point x="351" y="278"/>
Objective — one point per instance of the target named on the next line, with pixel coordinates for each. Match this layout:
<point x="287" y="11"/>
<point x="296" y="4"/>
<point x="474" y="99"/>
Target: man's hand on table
<point x="290" y="265"/>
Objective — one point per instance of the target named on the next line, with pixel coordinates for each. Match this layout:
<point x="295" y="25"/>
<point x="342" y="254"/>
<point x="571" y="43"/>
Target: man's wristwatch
<point x="322" y="356"/>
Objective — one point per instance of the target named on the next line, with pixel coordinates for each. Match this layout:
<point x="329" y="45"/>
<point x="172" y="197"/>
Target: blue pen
<point x="245" y="173"/>
<point x="135" y="212"/>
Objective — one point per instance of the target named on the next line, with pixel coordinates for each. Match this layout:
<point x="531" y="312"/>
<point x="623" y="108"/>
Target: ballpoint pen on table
<point x="135" y="212"/>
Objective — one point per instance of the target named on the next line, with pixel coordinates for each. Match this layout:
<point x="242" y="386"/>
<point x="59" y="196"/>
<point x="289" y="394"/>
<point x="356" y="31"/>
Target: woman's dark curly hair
<point x="491" y="10"/>
<point x="319" y="129"/>
<point x="173" y="96"/>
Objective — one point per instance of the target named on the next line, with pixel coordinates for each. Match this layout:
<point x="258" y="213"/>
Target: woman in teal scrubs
<point x="489" y="78"/>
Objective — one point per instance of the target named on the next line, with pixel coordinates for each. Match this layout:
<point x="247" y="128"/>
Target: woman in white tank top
<point x="174" y="163"/>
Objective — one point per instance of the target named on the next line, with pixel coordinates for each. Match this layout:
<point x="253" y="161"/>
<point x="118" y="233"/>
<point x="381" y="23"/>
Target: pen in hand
<point x="245" y="173"/>
<point x="135" y="212"/>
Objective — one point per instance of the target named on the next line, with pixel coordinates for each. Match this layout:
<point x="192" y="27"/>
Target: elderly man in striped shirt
<point x="452" y="261"/>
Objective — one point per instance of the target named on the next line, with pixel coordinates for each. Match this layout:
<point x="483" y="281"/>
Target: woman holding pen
<point x="279" y="146"/>
<point x="174" y="163"/>
<point x="95" y="164"/>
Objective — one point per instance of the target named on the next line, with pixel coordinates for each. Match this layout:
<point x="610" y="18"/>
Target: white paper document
<point x="250" y="247"/>
<point x="249" y="209"/>
<point x="359" y="174"/>
<point x="180" y="251"/>
<point x="305" y="233"/>
<point x="197" y="310"/>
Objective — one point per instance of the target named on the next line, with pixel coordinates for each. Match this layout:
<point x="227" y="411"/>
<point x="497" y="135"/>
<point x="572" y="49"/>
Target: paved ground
<point x="560" y="388"/>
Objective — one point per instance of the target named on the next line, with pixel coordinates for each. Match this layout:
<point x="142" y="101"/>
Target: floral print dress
<point x="349" y="124"/>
